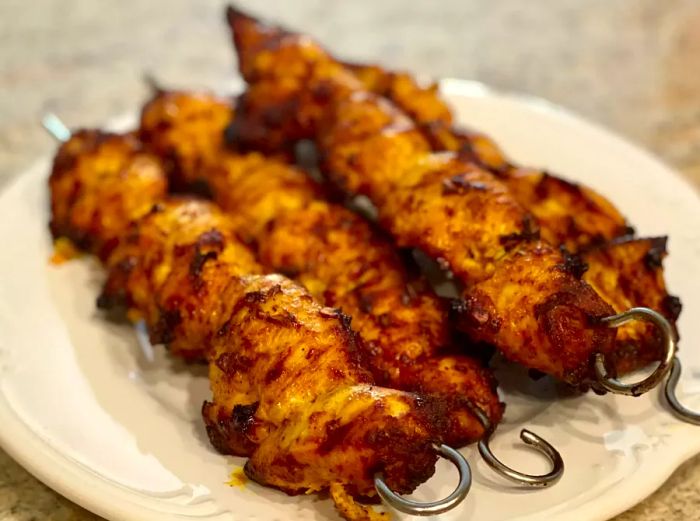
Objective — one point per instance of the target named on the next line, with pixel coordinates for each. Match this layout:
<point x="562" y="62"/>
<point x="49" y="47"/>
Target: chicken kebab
<point x="403" y="329"/>
<point x="177" y="261"/>
<point x="520" y="292"/>
<point x="626" y="271"/>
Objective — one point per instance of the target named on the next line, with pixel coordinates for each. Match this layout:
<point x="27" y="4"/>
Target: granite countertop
<point x="631" y="65"/>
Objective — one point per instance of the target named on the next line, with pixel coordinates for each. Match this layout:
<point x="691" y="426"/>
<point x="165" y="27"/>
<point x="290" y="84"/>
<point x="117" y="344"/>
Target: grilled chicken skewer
<point x="567" y="214"/>
<point x="626" y="272"/>
<point x="519" y="295"/>
<point x="344" y="262"/>
<point x="200" y="289"/>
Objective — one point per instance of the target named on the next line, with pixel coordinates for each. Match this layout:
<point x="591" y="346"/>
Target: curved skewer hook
<point x="677" y="408"/>
<point x="419" y="508"/>
<point x="669" y="339"/>
<point x="530" y="438"/>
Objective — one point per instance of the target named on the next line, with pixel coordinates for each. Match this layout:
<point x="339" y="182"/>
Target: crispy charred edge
<point x="574" y="264"/>
<point x="671" y="306"/>
<point x="251" y="132"/>
<point x="245" y="39"/>
<point x="275" y="129"/>
<point x="405" y="458"/>
<point x="653" y="261"/>
<point x="458" y="405"/>
<point x="476" y="313"/>
<point x="228" y="432"/>
<point x="654" y="257"/>
<point x="114" y="296"/>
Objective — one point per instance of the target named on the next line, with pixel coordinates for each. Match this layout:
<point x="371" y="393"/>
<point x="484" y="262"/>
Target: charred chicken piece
<point x="89" y="205"/>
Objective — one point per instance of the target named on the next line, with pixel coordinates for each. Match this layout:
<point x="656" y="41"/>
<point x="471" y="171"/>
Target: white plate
<point x="115" y="425"/>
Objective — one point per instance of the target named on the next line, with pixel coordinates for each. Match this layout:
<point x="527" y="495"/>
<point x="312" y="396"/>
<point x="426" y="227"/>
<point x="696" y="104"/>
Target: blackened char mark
<point x="672" y="307"/>
<point x="114" y="295"/>
<point x="654" y="257"/>
<point x="232" y="363"/>
<point x="198" y="261"/>
<point x="335" y="435"/>
<point x="475" y="312"/>
<point x="250" y="300"/>
<point x="459" y="184"/>
<point x="573" y="263"/>
<point x="164" y="330"/>
<point x="530" y="232"/>
<point x="276" y="370"/>
<point x="229" y="433"/>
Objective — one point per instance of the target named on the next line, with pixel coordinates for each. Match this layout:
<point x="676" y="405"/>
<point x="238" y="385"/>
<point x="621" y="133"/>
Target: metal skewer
<point x="420" y="508"/>
<point x="677" y="408"/>
<point x="54" y="126"/>
<point x="530" y="438"/>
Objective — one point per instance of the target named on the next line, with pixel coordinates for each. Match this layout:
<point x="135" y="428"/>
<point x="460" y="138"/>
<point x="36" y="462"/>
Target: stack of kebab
<point x="178" y="262"/>
<point x="451" y="194"/>
<point x="335" y="254"/>
<point x="187" y="269"/>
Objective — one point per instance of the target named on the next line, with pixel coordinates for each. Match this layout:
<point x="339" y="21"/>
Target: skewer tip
<point x="55" y="127"/>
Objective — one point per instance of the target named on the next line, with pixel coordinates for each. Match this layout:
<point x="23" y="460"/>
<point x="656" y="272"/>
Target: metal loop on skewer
<point x="420" y="508"/>
<point x="530" y="438"/>
<point x="669" y="341"/>
<point x="677" y="408"/>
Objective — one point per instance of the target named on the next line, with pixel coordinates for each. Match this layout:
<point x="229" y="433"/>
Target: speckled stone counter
<point x="631" y="65"/>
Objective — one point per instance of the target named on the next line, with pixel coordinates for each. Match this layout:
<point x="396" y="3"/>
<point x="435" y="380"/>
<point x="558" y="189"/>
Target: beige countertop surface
<point x="631" y="65"/>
